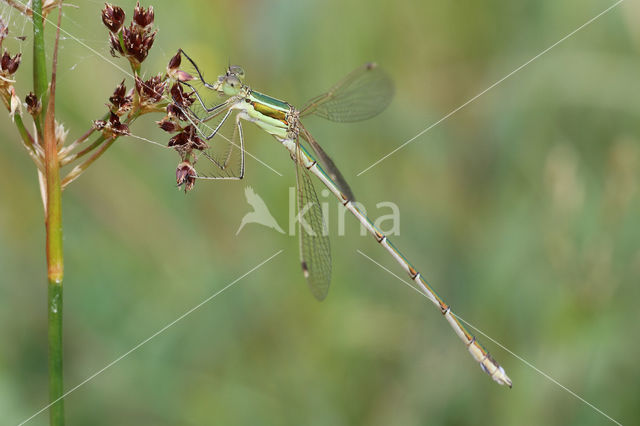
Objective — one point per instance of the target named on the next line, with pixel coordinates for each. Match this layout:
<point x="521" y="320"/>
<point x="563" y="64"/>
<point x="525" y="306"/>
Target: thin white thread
<point x="551" y="379"/>
<point x="363" y="171"/>
<point x="528" y="364"/>
<point x="8" y="23"/>
<point x="167" y="147"/>
<point x="163" y="329"/>
<point x="422" y="132"/>
<point x="149" y="141"/>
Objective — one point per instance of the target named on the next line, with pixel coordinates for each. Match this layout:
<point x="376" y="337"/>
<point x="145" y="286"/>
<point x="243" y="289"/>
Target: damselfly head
<point x="230" y="82"/>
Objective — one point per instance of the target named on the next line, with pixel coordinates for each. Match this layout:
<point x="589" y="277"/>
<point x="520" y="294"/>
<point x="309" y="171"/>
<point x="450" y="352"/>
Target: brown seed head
<point x="151" y="91"/>
<point x="99" y="124"/>
<point x="120" y="100"/>
<point x="181" y="98"/>
<point x="8" y="64"/>
<point x="137" y="41"/>
<point x="116" y="126"/>
<point x="186" y="175"/>
<point x="141" y="17"/>
<point x="116" y="47"/>
<point x="33" y="104"/>
<point x="178" y="141"/>
<point x="168" y="125"/>
<point x="174" y="64"/>
<point x="174" y="111"/>
<point x="175" y="61"/>
<point x="113" y="17"/>
<point x="112" y="127"/>
<point x="187" y="140"/>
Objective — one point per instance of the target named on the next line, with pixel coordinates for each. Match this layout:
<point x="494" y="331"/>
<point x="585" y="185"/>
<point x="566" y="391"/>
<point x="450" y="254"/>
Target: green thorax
<point x="269" y="113"/>
<point x="268" y="101"/>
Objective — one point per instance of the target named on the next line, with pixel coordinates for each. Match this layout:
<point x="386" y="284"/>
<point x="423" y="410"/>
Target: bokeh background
<point x="521" y="209"/>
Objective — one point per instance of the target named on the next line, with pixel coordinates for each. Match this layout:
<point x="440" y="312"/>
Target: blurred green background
<point x="521" y="209"/>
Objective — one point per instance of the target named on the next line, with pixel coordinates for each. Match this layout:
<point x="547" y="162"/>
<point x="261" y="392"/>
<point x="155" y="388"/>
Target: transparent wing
<point x="328" y="164"/>
<point x="362" y="94"/>
<point x="216" y="124"/>
<point x="224" y="158"/>
<point x="315" y="251"/>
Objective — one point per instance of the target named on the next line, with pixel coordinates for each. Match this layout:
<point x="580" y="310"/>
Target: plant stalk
<point x="40" y="81"/>
<point x="53" y="214"/>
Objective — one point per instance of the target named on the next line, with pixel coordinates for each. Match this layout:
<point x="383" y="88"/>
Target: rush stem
<point x="53" y="211"/>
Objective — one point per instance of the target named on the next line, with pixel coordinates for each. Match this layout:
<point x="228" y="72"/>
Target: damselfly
<point x="362" y="94"/>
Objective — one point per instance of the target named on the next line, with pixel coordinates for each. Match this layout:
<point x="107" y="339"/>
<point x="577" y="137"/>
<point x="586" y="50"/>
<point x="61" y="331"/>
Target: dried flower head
<point x="133" y="41"/>
<point x="113" y="17"/>
<point x="116" y="47"/>
<point x="174" y="64"/>
<point x="175" y="61"/>
<point x="34" y="106"/>
<point x="180" y="98"/>
<point x="120" y="100"/>
<point x="138" y="42"/>
<point x="168" y="125"/>
<point x="186" y="175"/>
<point x="112" y="127"/>
<point x="152" y="90"/>
<point x="142" y="17"/>
<point x="174" y="111"/>
<point x="8" y="67"/>
<point x="173" y="70"/>
<point x="8" y="64"/>
<point x="186" y="141"/>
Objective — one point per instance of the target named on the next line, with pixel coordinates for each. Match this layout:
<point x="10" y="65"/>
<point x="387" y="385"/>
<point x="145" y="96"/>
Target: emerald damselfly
<point x="362" y="94"/>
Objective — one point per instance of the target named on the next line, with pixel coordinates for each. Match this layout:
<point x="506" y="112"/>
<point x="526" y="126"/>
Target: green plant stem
<point x="24" y="133"/>
<point x="40" y="81"/>
<point x="55" y="273"/>
<point x="53" y="219"/>
<point x="56" y="412"/>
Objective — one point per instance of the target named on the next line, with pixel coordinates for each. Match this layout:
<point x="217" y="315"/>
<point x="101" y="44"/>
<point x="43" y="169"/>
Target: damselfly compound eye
<point x="233" y="81"/>
<point x="237" y="71"/>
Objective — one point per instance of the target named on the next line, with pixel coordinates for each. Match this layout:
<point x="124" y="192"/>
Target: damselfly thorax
<point x="276" y="117"/>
